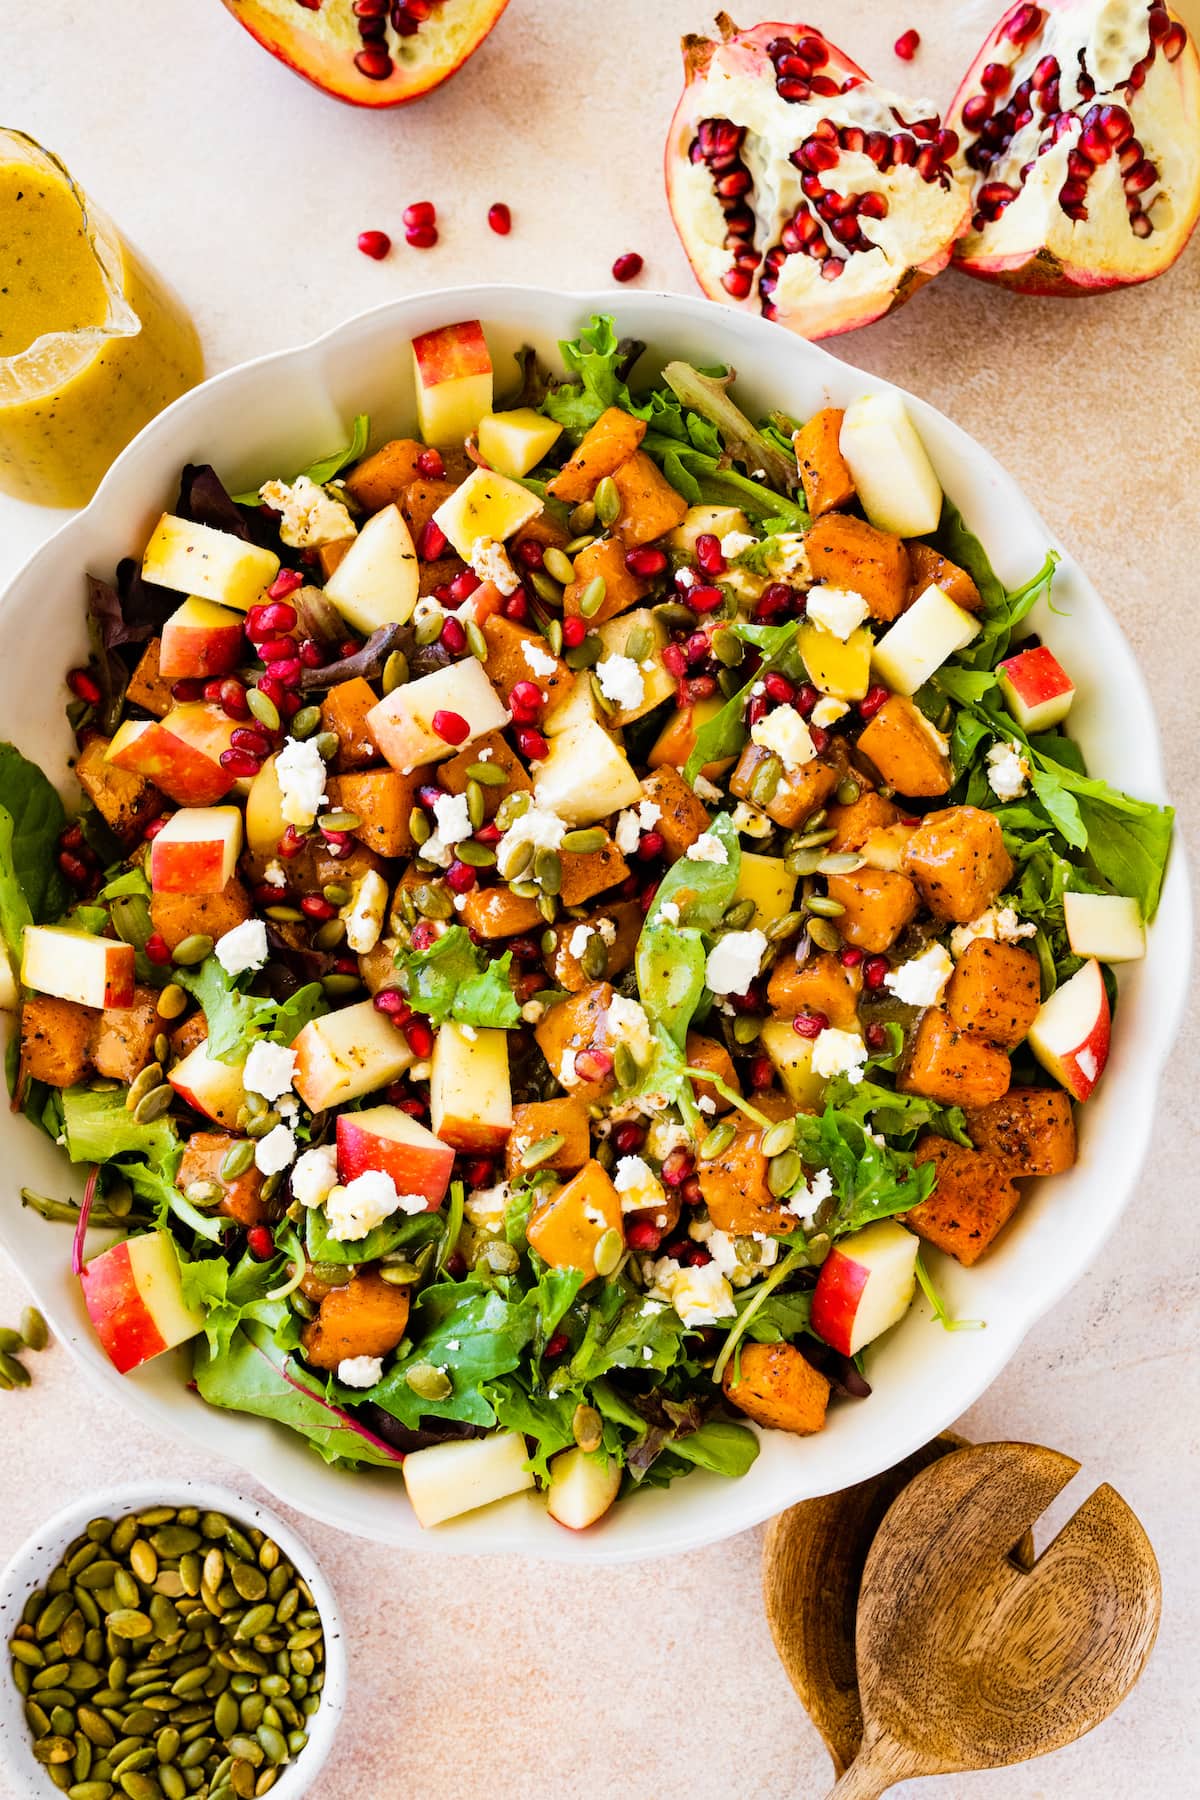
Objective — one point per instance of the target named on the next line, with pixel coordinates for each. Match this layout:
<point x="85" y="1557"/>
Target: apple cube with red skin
<point x="1107" y="926"/>
<point x="1070" y="1034"/>
<point x="582" y="1487"/>
<point x="213" y="1087"/>
<point x="452" y="368"/>
<point x="447" y="1479"/>
<point x="386" y="1139"/>
<point x="347" y="1054"/>
<point x="180" y="754"/>
<point x="196" y="851"/>
<point x="74" y="965"/>
<point x="199" y="640"/>
<point x="134" y="1298"/>
<point x="1037" y="689"/>
<point x="470" y="1096"/>
<point x="865" y="1286"/>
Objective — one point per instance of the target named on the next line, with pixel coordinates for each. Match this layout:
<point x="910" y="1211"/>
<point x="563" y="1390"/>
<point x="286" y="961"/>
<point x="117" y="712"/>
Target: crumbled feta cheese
<point x="734" y="961"/>
<point x="707" y="848"/>
<point x="537" y="660"/>
<point x="490" y="562"/>
<point x="735" y="542"/>
<point x="789" y="557"/>
<point x="627" y="1022"/>
<point x="700" y="1296"/>
<point x="357" y="1207"/>
<point x="638" y="1185"/>
<point x="621" y="681"/>
<point x="533" y="1011"/>
<point x="314" y="1174"/>
<point x="577" y="942"/>
<point x="269" y="1070"/>
<point x="300" y="772"/>
<point x="839" y="1053"/>
<point x="724" y="1251"/>
<point x="706" y="790"/>
<point x="828" y="711"/>
<point x="686" y="578"/>
<point x="486" y="1207"/>
<point x="566" y="1069"/>
<point x="1000" y="923"/>
<point x="1008" y="771"/>
<point x="705" y="1104"/>
<point x="288" y="1107"/>
<point x="310" y="516"/>
<point x="785" y="732"/>
<point x="360" y="1371"/>
<point x="669" y="911"/>
<point x="275" y="1152"/>
<point x="365" y="912"/>
<point x="836" y="610"/>
<point x="275" y="875"/>
<point x="453" y="1344"/>
<point x="649" y="812"/>
<point x="452" y="817"/>
<point x="627" y="832"/>
<point x="608" y="931"/>
<point x="666" y="1135"/>
<point x="544" y="830"/>
<point x="750" y="821"/>
<point x="469" y="1032"/>
<point x="245" y="947"/>
<point x="919" y="982"/>
<point x="434" y="851"/>
<point x="806" y="1201"/>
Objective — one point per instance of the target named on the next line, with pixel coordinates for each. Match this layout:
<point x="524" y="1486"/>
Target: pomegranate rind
<point x="733" y="79"/>
<point x="325" y="57"/>
<point x="1034" y="247"/>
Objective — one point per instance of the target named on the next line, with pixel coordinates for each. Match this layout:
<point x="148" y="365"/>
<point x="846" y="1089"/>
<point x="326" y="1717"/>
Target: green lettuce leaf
<point x="546" y="1421"/>
<point x="35" y="808"/>
<point x="231" y="1296"/>
<point x="621" y="1326"/>
<point x="403" y="1231"/>
<point x="719" y="1445"/>
<point x="238" y="1021"/>
<point x="475" y="1333"/>
<point x="454" y="980"/>
<point x="325" y="467"/>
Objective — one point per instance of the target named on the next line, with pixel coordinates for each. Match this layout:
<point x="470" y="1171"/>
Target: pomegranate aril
<point x="84" y="687"/>
<point x="239" y="763"/>
<point x="645" y="560"/>
<point x="697" y="647"/>
<point x="1046" y="71"/>
<point x="420" y="1037"/>
<point x="907" y="45"/>
<point x="1024" y="22"/>
<point x="311" y="654"/>
<point x="1140" y="177"/>
<point x="629" y="1136"/>
<point x="643" y="1236"/>
<point x="500" y="219"/>
<point x="460" y="878"/>
<point x="247" y="738"/>
<point x="315" y="906"/>
<point x="453" y="637"/>
<point x="432" y="542"/>
<point x="873" y="206"/>
<point x="391" y="1002"/>
<point x="593" y="1065"/>
<point x="463" y="586"/>
<point x="525" y="701"/>
<point x="996" y="77"/>
<point x="260" y="1242"/>
<point x="274" y="648"/>
<point x="187" y="690"/>
<point x="451" y="727"/>
<point x="674" y="660"/>
<point x="374" y="244"/>
<point x="421" y="212"/>
<point x="976" y="111"/>
<point x="810" y="1024"/>
<point x="421" y="237"/>
<point x="516" y="607"/>
<point x="1173" y="42"/>
<point x="628" y="266"/>
<point x="779" y="687"/>
<point x="232" y="697"/>
<point x="874" y="970"/>
<point x="704" y="599"/>
<point x="651" y="845"/>
<point x="737" y="282"/>
<point x="532" y="744"/>
<point x="709" y="554"/>
<point x="574" y="631"/>
<point x="872" y="700"/>
<point x="157" y="949"/>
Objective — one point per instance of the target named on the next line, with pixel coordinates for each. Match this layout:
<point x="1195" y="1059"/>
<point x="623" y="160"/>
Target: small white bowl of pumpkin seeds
<point x="168" y="1641"/>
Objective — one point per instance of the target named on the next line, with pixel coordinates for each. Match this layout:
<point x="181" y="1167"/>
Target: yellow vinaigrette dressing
<point x="92" y="344"/>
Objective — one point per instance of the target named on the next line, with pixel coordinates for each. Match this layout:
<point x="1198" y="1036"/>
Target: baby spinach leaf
<point x="547" y="1421"/>
<point x="35" y="808"/>
<point x="403" y="1231"/>
<point x="475" y="1333"/>
<point x="726" y="732"/>
<point x="719" y="1445"/>
<point x="454" y="980"/>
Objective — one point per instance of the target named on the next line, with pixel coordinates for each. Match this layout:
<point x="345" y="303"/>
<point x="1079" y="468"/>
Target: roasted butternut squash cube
<point x="734" y="1186"/>
<point x="56" y="1039"/>
<point x="241" y="1196"/>
<point x="798" y="792"/>
<point x="565" y="968"/>
<point x="125" y="801"/>
<point x="421" y="499"/>
<point x="178" y="916"/>
<point x="854" y="824"/>
<point x="586" y="873"/>
<point x="906" y="751"/>
<point x="951" y="1066"/>
<point x="566" y="1227"/>
<point x="147" y="688"/>
<point x="367" y="1317"/>
<point x="709" y="1053"/>
<point x="125" y="1036"/>
<point x="820" y="985"/>
<point x="776" y="1385"/>
<point x="824" y="473"/>
<point x="1030" y="1131"/>
<point x="344" y="711"/>
<point x="187" y="1034"/>
<point x="492" y="748"/>
<point x="382" y="800"/>
<point x="877" y="905"/>
<point x="570" y="1029"/>
<point x="517" y="654"/>
<point x="683" y="818"/>
<point x="379" y="480"/>
<point x="845" y="552"/>
<point x="543" y="1119"/>
<point x="995" y="990"/>
<point x="974" y="1199"/>
<point x="929" y="568"/>
<point x="331" y="556"/>
<point x="957" y="858"/>
<point x="497" y="912"/>
<point x="650" y="506"/>
<point x="610" y="442"/>
<point x="622" y="589"/>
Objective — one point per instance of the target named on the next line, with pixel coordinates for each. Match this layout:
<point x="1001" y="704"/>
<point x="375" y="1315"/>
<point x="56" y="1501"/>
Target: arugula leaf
<point x="871" y="1181"/>
<point x="893" y="1114"/>
<point x="670" y="957"/>
<point x="454" y="980"/>
<point x="35" y="808"/>
<point x="402" y="1231"/>
<point x="547" y="1421"/>
<point x="472" y="1331"/>
<point x="238" y="1021"/>
<point x="726" y="732"/>
<point x="229" y="1296"/>
<point x="622" y="1325"/>
<point x="325" y="467"/>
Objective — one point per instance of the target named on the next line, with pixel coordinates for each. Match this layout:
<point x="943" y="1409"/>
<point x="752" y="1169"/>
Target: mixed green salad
<point x="563" y="912"/>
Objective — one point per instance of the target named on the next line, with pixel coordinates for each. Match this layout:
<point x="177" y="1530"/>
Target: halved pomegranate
<point x="1080" y="133"/>
<point x="370" y="52"/>
<point x="802" y="188"/>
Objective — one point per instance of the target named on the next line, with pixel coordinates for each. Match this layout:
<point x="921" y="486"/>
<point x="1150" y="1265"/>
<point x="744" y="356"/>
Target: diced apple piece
<point x="585" y="776"/>
<point x="213" y="565"/>
<point x="180" y="754"/>
<point x="1036" y="688"/>
<point x="347" y="1054"/>
<point x="389" y="1140"/>
<point x="698" y="521"/>
<point x="765" y="880"/>
<point x="74" y="965"/>
<point x="1070" y="1034"/>
<point x="470" y="1096"/>
<point x="865" y="1286"/>
<point x="1107" y="926"/>
<point x="8" y="986"/>
<point x="402" y="723"/>
<point x="213" y="1087"/>
<point x="892" y="472"/>
<point x="839" y="667"/>
<point x="577" y="707"/>
<point x="448" y="1479"/>
<point x="378" y="580"/>
<point x="658" y="684"/>
<point x="582" y="1487"/>
<point x="792" y="1057"/>
<point x="134" y="1297"/>
<point x="196" y="851"/>
<point x="488" y="506"/>
<point x="453" y="372"/>
<point x="514" y="442"/>
<point x="265" y="823"/>
<point x="917" y="645"/>
<point x="200" y="639"/>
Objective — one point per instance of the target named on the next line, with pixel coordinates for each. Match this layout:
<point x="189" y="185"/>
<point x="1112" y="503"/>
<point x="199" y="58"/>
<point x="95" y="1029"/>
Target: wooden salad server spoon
<point x="970" y="1654"/>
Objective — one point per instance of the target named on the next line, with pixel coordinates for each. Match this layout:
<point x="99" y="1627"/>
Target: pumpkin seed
<point x="226" y="1716"/>
<point x="11" y="1341"/>
<point x="395" y="671"/>
<point x="341" y="820"/>
<point x="284" y="915"/>
<point x="90" y="1790"/>
<point x="265" y="1122"/>
<point x="488" y="774"/>
<point x="501" y="1259"/>
<point x="824" y="935"/>
<point x="554" y="636"/>
<point x="783" y="1172"/>
<point x="587" y="1427"/>
<point x="547" y="867"/>
<point x="249" y="1581"/>
<point x="843" y="864"/>
<point x="812" y="840"/>
<point x="779" y="1138"/>
<point x="545" y="589"/>
<point x="429" y="1383"/>
<point x="172" y="1001"/>
<point x="785" y="927"/>
<point x="607" y="501"/>
<point x="129" y="1622"/>
<point x="592" y="597"/>
<point x="172" y="1782"/>
<point x="525" y="888"/>
<point x="236" y="1160"/>
<point x="328" y="744"/>
<point x="419" y="827"/>
<point x="637" y="644"/>
<point x="739" y="915"/>
<point x="717" y="1140"/>
<point x="580" y="543"/>
<point x="193" y="949"/>
<point x="53" y="1749"/>
<point x="765" y="780"/>
<point x="305" y="722"/>
<point x="585" y="655"/>
<point x="609" y="1251"/>
<point x="824" y="907"/>
<point x="802" y="862"/>
<point x="728" y="648"/>
<point x="559" y="565"/>
<point x="542" y="1151"/>
<point x="848" y="791"/>
<point x="28" y="1653"/>
<point x="547" y="905"/>
<point x="428" y="630"/>
<point x="594" y="961"/>
<point x="263" y="708"/>
<point x="14" y="1373"/>
<point x="625" y="1067"/>
<point x="602" y="700"/>
<point x="476" y="856"/>
<point x="433" y="901"/>
<point x="477" y="644"/>
<point x="143" y="1082"/>
<point x="582" y="517"/>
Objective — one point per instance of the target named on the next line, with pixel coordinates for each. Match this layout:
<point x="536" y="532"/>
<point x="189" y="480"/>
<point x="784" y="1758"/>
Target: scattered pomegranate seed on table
<point x="907" y="45"/>
<point x="421" y="237"/>
<point x="421" y="212"/>
<point x="500" y="219"/>
<point x="627" y="267"/>
<point x="374" y="244"/>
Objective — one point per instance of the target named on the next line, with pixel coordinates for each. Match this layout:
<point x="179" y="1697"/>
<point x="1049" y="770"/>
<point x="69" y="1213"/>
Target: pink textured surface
<point x="480" y="1679"/>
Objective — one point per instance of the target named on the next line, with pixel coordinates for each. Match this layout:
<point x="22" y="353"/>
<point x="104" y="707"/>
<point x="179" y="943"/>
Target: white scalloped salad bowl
<point x="279" y="411"/>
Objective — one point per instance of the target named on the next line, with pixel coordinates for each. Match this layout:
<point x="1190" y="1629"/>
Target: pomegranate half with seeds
<point x="370" y="52"/>
<point x="1079" y="127"/>
<point x="801" y="188"/>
